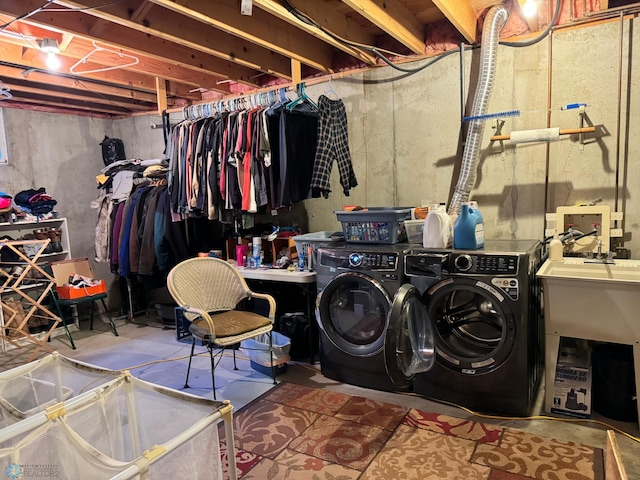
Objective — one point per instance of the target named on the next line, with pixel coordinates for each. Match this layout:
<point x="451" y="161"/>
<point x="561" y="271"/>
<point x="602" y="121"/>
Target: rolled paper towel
<point x="538" y="135"/>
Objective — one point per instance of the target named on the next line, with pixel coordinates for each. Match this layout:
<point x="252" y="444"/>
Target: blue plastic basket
<point x="381" y="225"/>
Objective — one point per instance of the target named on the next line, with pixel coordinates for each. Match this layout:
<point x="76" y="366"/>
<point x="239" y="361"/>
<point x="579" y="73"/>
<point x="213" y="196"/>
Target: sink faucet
<point x="600" y="257"/>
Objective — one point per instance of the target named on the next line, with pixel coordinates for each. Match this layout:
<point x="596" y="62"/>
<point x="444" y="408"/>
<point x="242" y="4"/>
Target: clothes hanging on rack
<point x="247" y="160"/>
<point x="298" y="141"/>
<point x="104" y="205"/>
<point x="333" y="145"/>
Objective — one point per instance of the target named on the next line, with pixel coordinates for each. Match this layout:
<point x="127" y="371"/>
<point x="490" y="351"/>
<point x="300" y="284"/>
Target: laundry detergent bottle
<point x="437" y="228"/>
<point x="556" y="249"/>
<point x="468" y="231"/>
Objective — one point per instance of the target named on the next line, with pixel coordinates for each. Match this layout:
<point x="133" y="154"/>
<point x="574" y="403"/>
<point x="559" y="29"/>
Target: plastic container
<point x="437" y="228"/>
<point x="380" y="225"/>
<point x="258" y="349"/>
<point x="556" y="249"/>
<point x="315" y="240"/>
<point x="468" y="231"/>
<point x="414" y="230"/>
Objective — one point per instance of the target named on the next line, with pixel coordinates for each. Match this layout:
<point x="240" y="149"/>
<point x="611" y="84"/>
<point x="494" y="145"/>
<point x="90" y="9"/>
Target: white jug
<point x="437" y="228"/>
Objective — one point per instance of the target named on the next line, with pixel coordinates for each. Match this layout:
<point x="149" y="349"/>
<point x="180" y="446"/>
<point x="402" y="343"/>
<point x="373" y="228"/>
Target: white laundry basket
<point x="31" y="388"/>
<point x="124" y="429"/>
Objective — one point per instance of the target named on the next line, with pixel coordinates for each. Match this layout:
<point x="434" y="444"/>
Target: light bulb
<point x="53" y="62"/>
<point x="530" y="8"/>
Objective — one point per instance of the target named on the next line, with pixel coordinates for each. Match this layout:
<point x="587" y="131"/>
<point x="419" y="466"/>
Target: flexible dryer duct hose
<point x="494" y="21"/>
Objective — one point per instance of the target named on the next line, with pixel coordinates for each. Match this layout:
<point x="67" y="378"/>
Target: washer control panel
<point x="484" y="264"/>
<point x="371" y="261"/>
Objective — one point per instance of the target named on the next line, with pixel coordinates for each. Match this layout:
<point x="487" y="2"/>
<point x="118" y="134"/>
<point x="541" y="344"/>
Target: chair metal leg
<point x="193" y="346"/>
<point x="93" y="304"/>
<point x="64" y="324"/>
<point x="213" y="370"/>
<point x="235" y="367"/>
<point x="111" y="322"/>
<point x="273" y="368"/>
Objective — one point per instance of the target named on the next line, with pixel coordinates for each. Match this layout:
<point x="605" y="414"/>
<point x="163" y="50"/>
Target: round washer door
<point x="409" y="344"/>
<point x="352" y="311"/>
<point x="474" y="325"/>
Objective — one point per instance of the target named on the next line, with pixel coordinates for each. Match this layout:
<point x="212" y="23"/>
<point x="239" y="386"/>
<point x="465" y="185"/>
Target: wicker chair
<point x="209" y="291"/>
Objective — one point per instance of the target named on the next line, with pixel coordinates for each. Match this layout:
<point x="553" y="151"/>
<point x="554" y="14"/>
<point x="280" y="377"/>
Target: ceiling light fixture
<point x="51" y="48"/>
<point x="530" y="8"/>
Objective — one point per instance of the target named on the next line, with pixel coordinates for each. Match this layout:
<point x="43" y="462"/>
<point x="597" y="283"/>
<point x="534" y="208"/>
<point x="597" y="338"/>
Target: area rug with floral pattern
<point x="295" y="432"/>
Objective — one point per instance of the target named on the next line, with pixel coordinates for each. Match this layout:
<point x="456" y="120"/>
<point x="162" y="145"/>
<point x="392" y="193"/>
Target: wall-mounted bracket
<point x="585" y="218"/>
<point x="498" y="129"/>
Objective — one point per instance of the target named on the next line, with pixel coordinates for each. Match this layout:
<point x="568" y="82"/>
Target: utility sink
<point x="598" y="301"/>
<point x="592" y="301"/>
<point x="622" y="271"/>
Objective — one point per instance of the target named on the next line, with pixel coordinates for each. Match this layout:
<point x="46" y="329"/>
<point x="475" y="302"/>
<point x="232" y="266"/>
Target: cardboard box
<point x="572" y="386"/>
<point x="71" y="293"/>
<point x="66" y="268"/>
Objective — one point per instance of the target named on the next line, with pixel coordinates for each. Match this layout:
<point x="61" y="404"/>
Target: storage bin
<point x="414" y="230"/>
<point x="282" y="368"/>
<point x="381" y="225"/>
<point x="315" y="240"/>
<point x="258" y="349"/>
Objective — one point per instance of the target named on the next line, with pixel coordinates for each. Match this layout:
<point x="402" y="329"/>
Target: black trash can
<point x="614" y="387"/>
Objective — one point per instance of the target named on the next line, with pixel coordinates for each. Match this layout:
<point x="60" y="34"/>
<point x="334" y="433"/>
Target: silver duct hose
<point x="493" y="23"/>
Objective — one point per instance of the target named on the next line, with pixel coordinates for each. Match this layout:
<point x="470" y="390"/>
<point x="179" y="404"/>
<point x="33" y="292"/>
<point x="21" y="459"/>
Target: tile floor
<point x="152" y="353"/>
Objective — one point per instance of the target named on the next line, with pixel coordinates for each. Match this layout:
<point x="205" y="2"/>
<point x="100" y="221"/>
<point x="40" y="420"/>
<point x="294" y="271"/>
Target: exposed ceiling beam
<point x="330" y="19"/>
<point x="133" y="41"/>
<point x="22" y="86"/>
<point x="7" y="73"/>
<point x="12" y="54"/>
<point x="260" y="28"/>
<point x="190" y="33"/>
<point x="67" y="104"/>
<point x="80" y="49"/>
<point x="462" y="15"/>
<point x="394" y="18"/>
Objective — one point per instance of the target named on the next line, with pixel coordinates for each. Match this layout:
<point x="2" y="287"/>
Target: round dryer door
<point x="352" y="312"/>
<point x="409" y="344"/>
<point x="474" y="324"/>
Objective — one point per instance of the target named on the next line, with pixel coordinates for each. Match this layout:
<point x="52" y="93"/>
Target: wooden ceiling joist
<point x="12" y="54"/>
<point x="260" y="28"/>
<point x="18" y="87"/>
<point x="133" y="41"/>
<point x="8" y="73"/>
<point x="392" y="16"/>
<point x="462" y="15"/>
<point x="67" y="104"/>
<point x="130" y="56"/>
<point x="190" y="33"/>
<point x="330" y="19"/>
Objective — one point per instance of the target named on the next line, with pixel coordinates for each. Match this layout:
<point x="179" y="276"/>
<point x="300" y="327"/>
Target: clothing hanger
<point x="302" y="98"/>
<point x="96" y="49"/>
<point x="283" y="99"/>
<point x="4" y="91"/>
<point x="331" y="91"/>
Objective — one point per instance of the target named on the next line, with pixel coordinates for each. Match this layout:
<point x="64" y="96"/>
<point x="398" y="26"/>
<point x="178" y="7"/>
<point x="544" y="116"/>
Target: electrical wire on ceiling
<point x="378" y="52"/>
<point x="533" y="41"/>
<point x="48" y="2"/>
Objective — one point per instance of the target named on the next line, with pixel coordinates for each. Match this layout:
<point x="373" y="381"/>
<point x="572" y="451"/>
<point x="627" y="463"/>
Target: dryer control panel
<point x="483" y="264"/>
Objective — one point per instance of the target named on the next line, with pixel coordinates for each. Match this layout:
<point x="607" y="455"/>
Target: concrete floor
<point x="152" y="353"/>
